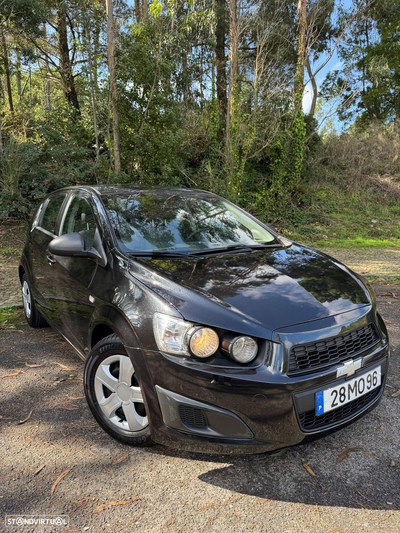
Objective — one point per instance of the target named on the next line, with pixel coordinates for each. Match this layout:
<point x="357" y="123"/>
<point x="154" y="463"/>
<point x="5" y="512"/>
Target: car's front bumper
<point x="201" y="408"/>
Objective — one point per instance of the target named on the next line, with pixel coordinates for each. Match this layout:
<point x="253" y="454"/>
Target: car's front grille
<point x="310" y="422"/>
<point x="305" y="358"/>
<point x="192" y="417"/>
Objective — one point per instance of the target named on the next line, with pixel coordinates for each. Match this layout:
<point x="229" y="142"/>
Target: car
<point x="201" y="327"/>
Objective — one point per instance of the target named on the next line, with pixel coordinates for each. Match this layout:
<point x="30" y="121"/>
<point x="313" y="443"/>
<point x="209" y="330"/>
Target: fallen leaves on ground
<point x="13" y="375"/>
<point x="392" y="463"/>
<point x="25" y="419"/>
<point x="391" y="294"/>
<point x="114" y="503"/>
<point x="68" y="406"/>
<point x="38" y="470"/>
<point x="57" y="481"/>
<point x="65" y="367"/>
<point x="396" y="394"/>
<point x="207" y="507"/>
<point x="309" y="470"/>
<point x="73" y="398"/>
<point x="33" y="366"/>
<point x="122" y="457"/>
<point x="348" y="451"/>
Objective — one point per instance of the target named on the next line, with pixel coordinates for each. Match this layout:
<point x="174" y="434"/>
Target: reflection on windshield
<point x="179" y="221"/>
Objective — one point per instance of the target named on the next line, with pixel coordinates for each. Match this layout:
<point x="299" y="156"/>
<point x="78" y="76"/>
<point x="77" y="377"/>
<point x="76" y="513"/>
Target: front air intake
<point x="192" y="417"/>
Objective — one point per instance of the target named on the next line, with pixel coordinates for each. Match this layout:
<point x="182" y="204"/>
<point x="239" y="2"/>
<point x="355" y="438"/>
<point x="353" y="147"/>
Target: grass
<point x="8" y="250"/>
<point x="384" y="280"/>
<point x="342" y="214"/>
<point x="11" y="317"/>
<point x="360" y="242"/>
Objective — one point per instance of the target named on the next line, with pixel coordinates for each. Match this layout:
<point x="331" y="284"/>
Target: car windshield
<point x="170" y="221"/>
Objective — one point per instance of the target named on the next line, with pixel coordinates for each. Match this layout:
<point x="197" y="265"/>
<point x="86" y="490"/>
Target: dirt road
<point x="355" y="487"/>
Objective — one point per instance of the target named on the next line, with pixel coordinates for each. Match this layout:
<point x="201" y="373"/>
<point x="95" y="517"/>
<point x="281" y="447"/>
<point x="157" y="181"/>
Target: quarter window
<point x="80" y="219"/>
<point x="50" y="216"/>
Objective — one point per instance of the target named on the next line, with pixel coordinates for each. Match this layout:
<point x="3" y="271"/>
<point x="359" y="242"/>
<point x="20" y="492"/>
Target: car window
<point x="49" y="218"/>
<point x="80" y="218"/>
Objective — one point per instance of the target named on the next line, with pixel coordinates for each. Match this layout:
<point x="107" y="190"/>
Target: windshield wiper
<point x="235" y="247"/>
<point x="157" y="253"/>
<point x="207" y="251"/>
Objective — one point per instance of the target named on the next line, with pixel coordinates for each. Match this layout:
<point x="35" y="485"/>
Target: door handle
<point x="50" y="259"/>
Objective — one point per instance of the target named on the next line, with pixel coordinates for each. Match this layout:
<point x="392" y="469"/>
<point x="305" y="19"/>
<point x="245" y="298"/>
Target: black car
<point x="201" y="327"/>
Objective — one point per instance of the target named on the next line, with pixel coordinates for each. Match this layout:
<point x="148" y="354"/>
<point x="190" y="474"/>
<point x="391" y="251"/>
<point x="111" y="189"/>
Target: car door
<point x="42" y="272"/>
<point x="74" y="274"/>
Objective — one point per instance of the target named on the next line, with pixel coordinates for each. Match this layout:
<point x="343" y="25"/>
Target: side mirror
<point x="73" y="245"/>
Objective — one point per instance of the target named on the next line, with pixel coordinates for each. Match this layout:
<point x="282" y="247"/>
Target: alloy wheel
<point x="27" y="299"/>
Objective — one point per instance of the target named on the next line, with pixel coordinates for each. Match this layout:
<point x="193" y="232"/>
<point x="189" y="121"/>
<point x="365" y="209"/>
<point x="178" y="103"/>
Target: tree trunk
<point x="18" y="77"/>
<point x="7" y="70"/>
<point x="92" y="88"/>
<point x="145" y="9"/>
<point x="299" y="127"/>
<point x="113" y="82"/>
<point x="220" y="58"/>
<point x="233" y="76"/>
<point x="47" y="82"/>
<point x="301" y="54"/>
<point x="138" y="11"/>
<point x="66" y="72"/>
<point x="96" y="52"/>
<point x="314" y="87"/>
<point x="1" y="138"/>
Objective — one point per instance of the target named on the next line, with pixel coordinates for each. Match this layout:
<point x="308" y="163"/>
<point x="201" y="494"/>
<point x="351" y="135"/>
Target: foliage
<point x="248" y="140"/>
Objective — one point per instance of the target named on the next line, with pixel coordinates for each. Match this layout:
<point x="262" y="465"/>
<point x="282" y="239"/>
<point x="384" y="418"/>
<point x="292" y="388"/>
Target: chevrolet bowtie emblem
<point x="349" y="367"/>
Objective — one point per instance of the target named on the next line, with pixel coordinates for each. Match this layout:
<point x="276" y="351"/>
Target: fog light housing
<point x="203" y="342"/>
<point x="241" y="349"/>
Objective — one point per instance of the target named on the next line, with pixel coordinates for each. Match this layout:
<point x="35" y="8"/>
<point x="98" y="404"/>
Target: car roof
<point x="108" y="190"/>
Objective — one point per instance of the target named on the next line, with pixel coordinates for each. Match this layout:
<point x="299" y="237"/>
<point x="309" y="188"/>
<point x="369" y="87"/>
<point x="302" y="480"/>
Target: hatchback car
<point x="201" y="327"/>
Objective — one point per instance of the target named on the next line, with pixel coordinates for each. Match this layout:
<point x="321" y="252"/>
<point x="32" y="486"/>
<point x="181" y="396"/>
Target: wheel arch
<point x="107" y="320"/>
<point x="21" y="272"/>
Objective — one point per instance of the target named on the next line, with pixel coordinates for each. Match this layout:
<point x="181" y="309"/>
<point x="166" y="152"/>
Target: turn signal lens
<point x="170" y="333"/>
<point x="203" y="342"/>
<point x="243" y="349"/>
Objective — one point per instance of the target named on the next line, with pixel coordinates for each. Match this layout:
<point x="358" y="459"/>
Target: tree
<point x="65" y="68"/>
<point x="299" y="128"/>
<point x="220" y="59"/>
<point x="367" y="87"/>
<point x="113" y="83"/>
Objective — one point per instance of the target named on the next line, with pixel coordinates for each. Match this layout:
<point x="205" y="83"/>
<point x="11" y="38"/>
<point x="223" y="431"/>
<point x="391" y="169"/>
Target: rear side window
<point x="49" y="218"/>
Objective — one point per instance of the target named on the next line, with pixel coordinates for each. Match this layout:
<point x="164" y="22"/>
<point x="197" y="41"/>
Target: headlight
<point x="176" y="336"/>
<point x="241" y="349"/>
<point x="203" y="342"/>
<point x="170" y="334"/>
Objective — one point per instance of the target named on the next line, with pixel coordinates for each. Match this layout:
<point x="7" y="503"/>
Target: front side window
<point x="80" y="218"/>
<point x="176" y="221"/>
<point x="50" y="215"/>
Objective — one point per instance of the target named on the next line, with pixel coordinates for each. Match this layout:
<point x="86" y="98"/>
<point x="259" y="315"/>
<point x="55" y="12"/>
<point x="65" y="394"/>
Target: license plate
<point x="335" y="397"/>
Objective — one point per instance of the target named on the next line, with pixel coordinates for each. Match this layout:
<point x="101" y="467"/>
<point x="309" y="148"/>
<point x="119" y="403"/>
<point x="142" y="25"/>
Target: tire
<point x="32" y="315"/>
<point x="120" y="411"/>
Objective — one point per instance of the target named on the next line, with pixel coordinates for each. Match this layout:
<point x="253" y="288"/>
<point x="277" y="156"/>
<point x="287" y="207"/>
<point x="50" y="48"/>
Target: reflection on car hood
<point x="265" y="289"/>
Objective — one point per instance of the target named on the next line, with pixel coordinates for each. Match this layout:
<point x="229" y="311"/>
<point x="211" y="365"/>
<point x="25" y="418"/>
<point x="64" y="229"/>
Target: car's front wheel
<point x="114" y="393"/>
<point x="32" y="315"/>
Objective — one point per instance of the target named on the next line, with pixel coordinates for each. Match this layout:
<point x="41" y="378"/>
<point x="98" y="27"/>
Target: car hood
<point x="255" y="292"/>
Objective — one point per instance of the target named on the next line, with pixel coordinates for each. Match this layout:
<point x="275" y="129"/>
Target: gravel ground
<point x="12" y="238"/>
<point x="376" y="262"/>
<point x="355" y="487"/>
